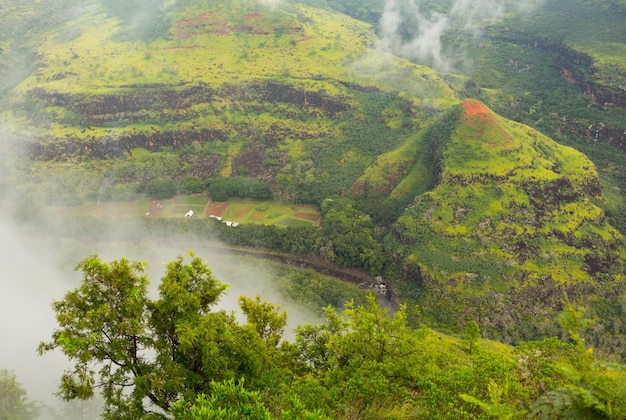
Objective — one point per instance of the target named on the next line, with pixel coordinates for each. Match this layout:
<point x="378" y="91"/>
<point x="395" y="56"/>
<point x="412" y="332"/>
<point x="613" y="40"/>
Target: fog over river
<point x="37" y="265"/>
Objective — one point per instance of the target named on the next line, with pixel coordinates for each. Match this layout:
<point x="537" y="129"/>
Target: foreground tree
<point x="227" y="401"/>
<point x="14" y="403"/>
<point x="177" y="355"/>
<point x="594" y="389"/>
<point x="143" y="354"/>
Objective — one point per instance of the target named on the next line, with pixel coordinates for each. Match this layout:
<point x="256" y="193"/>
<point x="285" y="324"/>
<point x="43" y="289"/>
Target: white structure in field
<point x="228" y="223"/>
<point x="189" y="214"/>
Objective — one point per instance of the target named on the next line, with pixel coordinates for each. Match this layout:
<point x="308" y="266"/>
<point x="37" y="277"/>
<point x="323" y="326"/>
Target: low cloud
<point x="414" y="31"/>
<point x="37" y="260"/>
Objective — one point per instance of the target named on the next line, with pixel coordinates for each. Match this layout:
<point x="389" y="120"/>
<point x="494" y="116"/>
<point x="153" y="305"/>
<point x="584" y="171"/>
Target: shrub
<point x="161" y="189"/>
<point x="192" y="185"/>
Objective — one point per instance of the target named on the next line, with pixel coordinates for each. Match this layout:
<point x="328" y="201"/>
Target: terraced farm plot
<point x="182" y="204"/>
<point x="269" y="213"/>
<point x="259" y="212"/>
<point x="238" y="211"/>
<point x="191" y="200"/>
<point x="182" y="210"/>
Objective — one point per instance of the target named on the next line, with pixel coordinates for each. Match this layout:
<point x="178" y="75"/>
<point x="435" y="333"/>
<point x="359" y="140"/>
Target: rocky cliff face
<point x="578" y="69"/>
<point x="163" y="102"/>
<point x="184" y="106"/>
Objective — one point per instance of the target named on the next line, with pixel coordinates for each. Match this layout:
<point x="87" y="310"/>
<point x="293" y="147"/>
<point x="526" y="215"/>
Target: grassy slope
<point x="204" y="44"/>
<point x="522" y="73"/>
<point x="512" y="222"/>
<point x="89" y="63"/>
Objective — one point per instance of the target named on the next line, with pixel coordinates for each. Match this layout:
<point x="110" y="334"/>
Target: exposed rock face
<point x="162" y="103"/>
<point x="131" y="104"/>
<point x="576" y="67"/>
<point x="579" y="69"/>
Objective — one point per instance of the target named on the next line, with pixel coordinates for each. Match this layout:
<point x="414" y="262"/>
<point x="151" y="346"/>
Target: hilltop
<point x="510" y="228"/>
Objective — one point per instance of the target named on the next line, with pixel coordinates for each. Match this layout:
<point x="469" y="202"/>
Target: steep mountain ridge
<point x="511" y="223"/>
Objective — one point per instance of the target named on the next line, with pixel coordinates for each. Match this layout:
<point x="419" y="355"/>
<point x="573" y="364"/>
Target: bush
<point x="161" y="189"/>
<point x="192" y="185"/>
<point x="220" y="189"/>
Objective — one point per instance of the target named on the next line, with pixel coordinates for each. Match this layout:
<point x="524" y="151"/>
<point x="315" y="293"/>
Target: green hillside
<point x="513" y="222"/>
<point x="278" y="94"/>
<point x="555" y="65"/>
<point x="560" y="69"/>
<point x="464" y="158"/>
<point x="474" y="215"/>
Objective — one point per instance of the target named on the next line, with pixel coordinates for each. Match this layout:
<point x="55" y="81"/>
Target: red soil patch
<point x="307" y="216"/>
<point x="252" y="16"/>
<point x="474" y="107"/>
<point x="205" y="23"/>
<point x="216" y="208"/>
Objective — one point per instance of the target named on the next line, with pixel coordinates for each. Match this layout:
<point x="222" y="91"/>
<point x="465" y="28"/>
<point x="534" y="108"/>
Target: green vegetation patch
<point x="513" y="211"/>
<point x="193" y="200"/>
<point x="293" y="222"/>
<point x="268" y="213"/>
<point x="181" y="210"/>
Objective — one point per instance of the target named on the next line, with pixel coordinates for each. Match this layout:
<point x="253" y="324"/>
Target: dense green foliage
<point x="368" y="363"/>
<point x="160" y="189"/>
<point x="348" y="237"/>
<point x="223" y="188"/>
<point x="110" y="323"/>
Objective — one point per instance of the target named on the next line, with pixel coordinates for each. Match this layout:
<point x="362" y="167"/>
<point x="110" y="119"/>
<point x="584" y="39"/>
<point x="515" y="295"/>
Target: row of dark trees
<point x="220" y="189"/>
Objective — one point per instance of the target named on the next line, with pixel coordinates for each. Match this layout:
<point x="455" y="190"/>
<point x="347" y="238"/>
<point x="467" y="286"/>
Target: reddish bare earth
<point x="216" y="208"/>
<point x="474" y="107"/>
<point x="252" y="16"/>
<point x="307" y="216"/>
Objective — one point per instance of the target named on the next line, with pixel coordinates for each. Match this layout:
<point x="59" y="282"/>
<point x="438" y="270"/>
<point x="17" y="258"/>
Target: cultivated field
<point x="269" y="213"/>
<point x="240" y="211"/>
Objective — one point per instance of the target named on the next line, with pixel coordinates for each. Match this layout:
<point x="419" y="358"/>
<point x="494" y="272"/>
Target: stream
<point x="384" y="293"/>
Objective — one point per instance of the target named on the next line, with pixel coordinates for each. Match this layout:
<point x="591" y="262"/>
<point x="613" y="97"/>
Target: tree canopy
<point x="177" y="354"/>
<point x="145" y="354"/>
